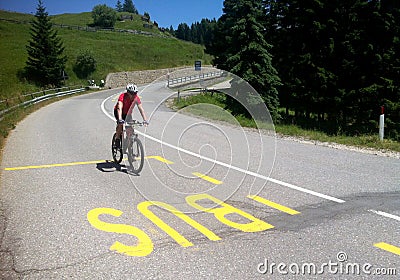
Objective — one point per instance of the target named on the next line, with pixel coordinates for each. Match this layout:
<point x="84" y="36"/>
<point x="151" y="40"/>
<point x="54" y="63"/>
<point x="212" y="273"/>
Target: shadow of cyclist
<point x="111" y="166"/>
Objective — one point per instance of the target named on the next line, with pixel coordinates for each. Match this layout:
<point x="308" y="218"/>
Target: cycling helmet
<point x="132" y="88"/>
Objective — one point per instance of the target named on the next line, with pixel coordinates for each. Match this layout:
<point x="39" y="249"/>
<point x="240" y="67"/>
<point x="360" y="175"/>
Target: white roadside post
<point x="168" y="79"/>
<point x="382" y="123"/>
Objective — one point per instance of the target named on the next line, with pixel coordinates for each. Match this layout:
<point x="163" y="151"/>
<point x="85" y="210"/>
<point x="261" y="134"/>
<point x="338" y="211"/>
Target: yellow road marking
<point x="144" y="244"/>
<point x="274" y="205"/>
<point x="76" y="163"/>
<point x="388" y="247"/>
<point x="223" y="212"/>
<point x="54" y="165"/>
<point x="160" y="159"/>
<point x="207" y="178"/>
<point x="143" y="207"/>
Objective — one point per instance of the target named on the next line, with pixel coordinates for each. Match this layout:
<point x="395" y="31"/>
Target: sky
<point x="165" y="12"/>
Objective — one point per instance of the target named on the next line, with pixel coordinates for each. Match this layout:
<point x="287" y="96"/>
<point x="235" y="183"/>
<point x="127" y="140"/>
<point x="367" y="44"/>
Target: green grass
<point x="113" y="51"/>
<point x="81" y="19"/>
<point x="198" y="105"/>
<point x="15" y="16"/>
<point x="365" y="141"/>
<point x="199" y="98"/>
<point x="13" y="39"/>
<point x="85" y="19"/>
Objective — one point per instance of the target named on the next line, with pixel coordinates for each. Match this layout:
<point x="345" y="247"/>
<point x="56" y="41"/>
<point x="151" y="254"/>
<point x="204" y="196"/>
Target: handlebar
<point x="134" y="122"/>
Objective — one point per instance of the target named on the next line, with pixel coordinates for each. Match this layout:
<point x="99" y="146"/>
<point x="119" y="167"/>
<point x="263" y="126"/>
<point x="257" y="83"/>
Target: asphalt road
<point x="213" y="201"/>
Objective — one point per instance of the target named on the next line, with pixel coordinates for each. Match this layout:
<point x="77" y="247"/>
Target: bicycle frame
<point x="131" y="145"/>
<point x="129" y="132"/>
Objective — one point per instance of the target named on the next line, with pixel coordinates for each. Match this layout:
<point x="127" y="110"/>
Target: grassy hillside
<point x="113" y="51"/>
<point x="85" y="19"/>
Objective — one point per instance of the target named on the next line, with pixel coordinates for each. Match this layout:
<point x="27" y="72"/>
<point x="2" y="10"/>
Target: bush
<point x="85" y="64"/>
<point x="104" y="16"/>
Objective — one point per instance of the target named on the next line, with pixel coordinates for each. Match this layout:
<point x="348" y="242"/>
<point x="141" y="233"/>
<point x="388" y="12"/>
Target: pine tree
<point x="119" y="7"/>
<point x="240" y="47"/>
<point x="389" y="68"/>
<point x="183" y="32"/>
<point x="199" y="32"/>
<point x="129" y="7"/>
<point x="46" y="59"/>
<point x="339" y="61"/>
<point x="171" y="30"/>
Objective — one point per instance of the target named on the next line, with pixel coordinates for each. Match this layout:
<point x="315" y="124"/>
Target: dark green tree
<point x="297" y="28"/>
<point x="129" y="7"/>
<point x="183" y="32"/>
<point x="389" y="5"/>
<point x="46" y="59"/>
<point x="119" y="7"/>
<point x="104" y="16"/>
<point x="199" y="32"/>
<point x="389" y="68"/>
<point x="207" y="29"/>
<point x="338" y="60"/>
<point x="85" y="64"/>
<point x="196" y="34"/>
<point x="171" y="30"/>
<point x="241" y="48"/>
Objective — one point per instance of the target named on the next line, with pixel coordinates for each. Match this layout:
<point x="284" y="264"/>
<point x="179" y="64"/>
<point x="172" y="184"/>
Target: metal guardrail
<point x="36" y="97"/>
<point x="194" y="78"/>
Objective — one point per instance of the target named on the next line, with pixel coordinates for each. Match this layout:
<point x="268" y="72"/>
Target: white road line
<point x="288" y="185"/>
<point x="384" y="214"/>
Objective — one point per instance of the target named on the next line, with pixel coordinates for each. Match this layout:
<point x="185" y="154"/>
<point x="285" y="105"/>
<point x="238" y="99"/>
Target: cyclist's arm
<point x="141" y="110"/>
<point x="119" y="110"/>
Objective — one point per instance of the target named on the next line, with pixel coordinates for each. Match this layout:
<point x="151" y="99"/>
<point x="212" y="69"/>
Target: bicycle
<point x="130" y="144"/>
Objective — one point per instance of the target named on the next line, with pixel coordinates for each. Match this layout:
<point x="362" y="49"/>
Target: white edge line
<point x="291" y="186"/>
<point x="384" y="214"/>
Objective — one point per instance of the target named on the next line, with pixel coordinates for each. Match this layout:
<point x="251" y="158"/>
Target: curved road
<point x="213" y="201"/>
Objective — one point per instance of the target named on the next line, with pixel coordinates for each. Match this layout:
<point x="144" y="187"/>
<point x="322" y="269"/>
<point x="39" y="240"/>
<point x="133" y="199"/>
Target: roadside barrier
<point x="194" y="78"/>
<point x="25" y="100"/>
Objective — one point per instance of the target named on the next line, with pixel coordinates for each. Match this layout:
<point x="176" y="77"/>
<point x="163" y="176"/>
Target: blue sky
<point x="165" y="12"/>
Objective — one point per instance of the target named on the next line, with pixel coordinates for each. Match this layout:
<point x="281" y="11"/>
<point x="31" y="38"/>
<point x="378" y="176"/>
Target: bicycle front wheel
<point x="136" y="155"/>
<point x="116" y="151"/>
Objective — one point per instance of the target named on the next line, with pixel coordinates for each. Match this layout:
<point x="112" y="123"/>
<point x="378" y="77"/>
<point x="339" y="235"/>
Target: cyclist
<point x="125" y="104"/>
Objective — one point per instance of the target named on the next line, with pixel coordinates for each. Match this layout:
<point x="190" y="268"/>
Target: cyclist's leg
<point x="118" y="130"/>
<point x="119" y="126"/>
<point x="129" y="130"/>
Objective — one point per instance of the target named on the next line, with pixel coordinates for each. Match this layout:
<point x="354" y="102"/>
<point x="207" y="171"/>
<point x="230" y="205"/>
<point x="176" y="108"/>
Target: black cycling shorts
<point x="123" y="115"/>
<point x="116" y="115"/>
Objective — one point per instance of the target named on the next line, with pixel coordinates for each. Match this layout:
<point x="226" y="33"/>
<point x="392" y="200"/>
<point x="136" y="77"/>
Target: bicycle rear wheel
<point x="116" y="152"/>
<point x="136" y="155"/>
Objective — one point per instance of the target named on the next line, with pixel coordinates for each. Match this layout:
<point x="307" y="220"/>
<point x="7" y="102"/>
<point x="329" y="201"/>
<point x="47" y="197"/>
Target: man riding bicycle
<point x="124" y="107"/>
